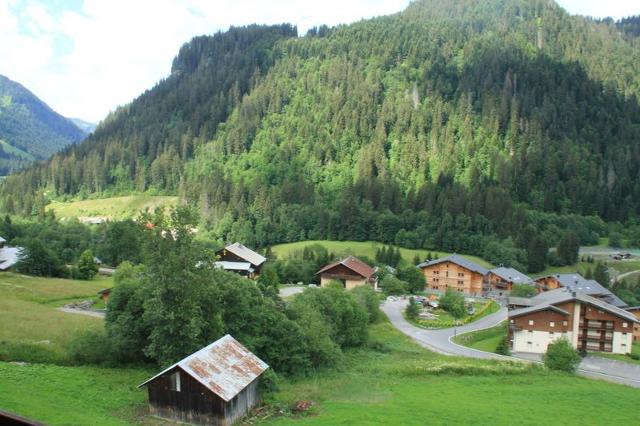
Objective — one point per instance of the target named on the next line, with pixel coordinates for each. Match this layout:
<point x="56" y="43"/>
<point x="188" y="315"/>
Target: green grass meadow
<point x="484" y="340"/>
<point x="361" y="248"/>
<point x="31" y="327"/>
<point x="114" y="207"/>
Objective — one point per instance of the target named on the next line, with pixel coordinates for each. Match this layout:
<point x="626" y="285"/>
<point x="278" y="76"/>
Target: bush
<point x="90" y="347"/>
<point x="413" y="309"/>
<point x="453" y="302"/>
<point x="87" y="268"/>
<point x="368" y="299"/>
<point x="503" y="346"/>
<point x="562" y="356"/>
<point x="413" y="277"/>
<point x="523" y="290"/>
<point x="393" y="286"/>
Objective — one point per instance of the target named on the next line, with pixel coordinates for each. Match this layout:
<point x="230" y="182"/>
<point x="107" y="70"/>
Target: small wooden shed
<point x="216" y="385"/>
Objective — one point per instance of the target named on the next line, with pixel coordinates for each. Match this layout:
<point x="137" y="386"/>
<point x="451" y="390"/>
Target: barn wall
<point x="197" y="404"/>
<point x="193" y="404"/>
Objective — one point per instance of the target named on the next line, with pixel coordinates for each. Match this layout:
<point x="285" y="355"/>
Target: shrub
<point x="523" y="290"/>
<point x="90" y="347"/>
<point x="562" y="356"/>
<point x="503" y="346"/>
<point x="393" y="286"/>
<point x="87" y="268"/>
<point x="413" y="309"/>
<point x="413" y="277"/>
<point x="453" y="302"/>
<point x="368" y="299"/>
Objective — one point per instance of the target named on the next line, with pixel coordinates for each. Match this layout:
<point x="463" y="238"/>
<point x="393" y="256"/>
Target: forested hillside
<point x="453" y="125"/>
<point x="29" y="129"/>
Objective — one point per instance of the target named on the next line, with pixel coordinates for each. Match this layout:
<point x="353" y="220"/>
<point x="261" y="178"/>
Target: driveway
<point x="441" y="341"/>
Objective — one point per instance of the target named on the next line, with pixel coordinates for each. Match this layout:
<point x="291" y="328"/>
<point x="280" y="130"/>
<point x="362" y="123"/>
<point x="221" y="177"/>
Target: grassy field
<point x="31" y="328"/>
<point x="446" y="320"/>
<point x="392" y="381"/>
<point x="115" y="207"/>
<point x="73" y="395"/>
<point x="401" y="383"/>
<point x="361" y="248"/>
<point x="483" y="340"/>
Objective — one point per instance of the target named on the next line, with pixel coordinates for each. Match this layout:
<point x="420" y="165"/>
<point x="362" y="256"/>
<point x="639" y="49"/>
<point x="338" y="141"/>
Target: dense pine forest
<point x="491" y="127"/>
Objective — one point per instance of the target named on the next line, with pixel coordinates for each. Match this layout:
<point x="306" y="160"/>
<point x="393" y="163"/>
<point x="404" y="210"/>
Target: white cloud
<point x="119" y="48"/>
<point x="86" y="62"/>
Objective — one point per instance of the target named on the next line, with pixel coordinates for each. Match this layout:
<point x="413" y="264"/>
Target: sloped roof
<point x="353" y="263"/>
<point x="536" y="308"/>
<point x="562" y="295"/>
<point x="225" y="367"/>
<point x="577" y="282"/>
<point x="520" y="301"/>
<point x="458" y="260"/>
<point x="511" y="275"/>
<point x="246" y="254"/>
<point x="9" y="257"/>
<point x="233" y="266"/>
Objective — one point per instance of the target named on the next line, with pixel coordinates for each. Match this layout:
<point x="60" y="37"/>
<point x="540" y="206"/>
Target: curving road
<point x="441" y="341"/>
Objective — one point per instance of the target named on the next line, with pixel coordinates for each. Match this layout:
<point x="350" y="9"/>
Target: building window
<point x="552" y="324"/>
<point x="530" y="331"/>
<point x="174" y="382"/>
<point x="623" y="346"/>
<point x="565" y="323"/>
<point x="530" y="322"/>
<point x="511" y="321"/>
<point x="460" y="282"/>
<point x="551" y="335"/>
<point x="624" y="325"/>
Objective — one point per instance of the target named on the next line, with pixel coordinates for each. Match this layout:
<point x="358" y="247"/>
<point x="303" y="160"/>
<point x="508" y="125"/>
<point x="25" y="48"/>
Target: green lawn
<point x="402" y="384"/>
<point x="73" y="395"/>
<point x="361" y="248"/>
<point x="31" y="327"/>
<point x="635" y="349"/>
<point x="446" y="320"/>
<point x="114" y="207"/>
<point x="483" y="340"/>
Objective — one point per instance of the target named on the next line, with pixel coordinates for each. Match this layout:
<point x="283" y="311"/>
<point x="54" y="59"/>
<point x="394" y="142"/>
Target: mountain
<point x="449" y="125"/>
<point x="29" y="129"/>
<point x="85" y="126"/>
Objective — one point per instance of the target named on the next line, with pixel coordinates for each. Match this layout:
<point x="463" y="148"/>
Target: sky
<point x="86" y="57"/>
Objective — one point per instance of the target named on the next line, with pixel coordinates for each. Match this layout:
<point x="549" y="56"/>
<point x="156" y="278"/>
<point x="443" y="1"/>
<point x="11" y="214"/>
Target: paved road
<point x="440" y="341"/>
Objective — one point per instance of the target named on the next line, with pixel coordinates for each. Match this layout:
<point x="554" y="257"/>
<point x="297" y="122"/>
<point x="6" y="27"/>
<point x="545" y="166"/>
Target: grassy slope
<point x="72" y="395"/>
<point x="392" y="382"/>
<point x="28" y="314"/>
<point x="360" y="248"/>
<point x="115" y="207"/>
<point x="408" y="385"/>
<point x="484" y="340"/>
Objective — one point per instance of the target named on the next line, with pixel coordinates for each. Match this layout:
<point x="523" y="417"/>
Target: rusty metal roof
<point x="225" y="367"/>
<point x="353" y="263"/>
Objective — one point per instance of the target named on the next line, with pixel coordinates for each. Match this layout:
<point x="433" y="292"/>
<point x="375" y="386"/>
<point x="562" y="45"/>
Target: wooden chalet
<point x="587" y="322"/>
<point x="240" y="259"/>
<point x="454" y="272"/>
<point x="351" y="272"/>
<point x="635" y="310"/>
<point x="216" y="385"/>
<point x="576" y="282"/>
<point x="500" y="281"/>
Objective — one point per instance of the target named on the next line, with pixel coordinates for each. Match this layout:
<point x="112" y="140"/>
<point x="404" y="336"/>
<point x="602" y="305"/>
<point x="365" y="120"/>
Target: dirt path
<point x="90" y="313"/>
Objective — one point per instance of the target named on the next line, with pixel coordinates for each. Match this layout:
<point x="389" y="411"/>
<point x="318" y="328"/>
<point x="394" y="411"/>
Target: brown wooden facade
<point x="496" y="283"/>
<point x="445" y="275"/>
<point x="194" y="403"/>
<point x="636" y="327"/>
<point x="548" y="283"/>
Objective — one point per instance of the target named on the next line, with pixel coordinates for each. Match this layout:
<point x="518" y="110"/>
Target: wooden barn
<point x="240" y="259"/>
<point x="216" y="385"/>
<point x="350" y="272"/>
